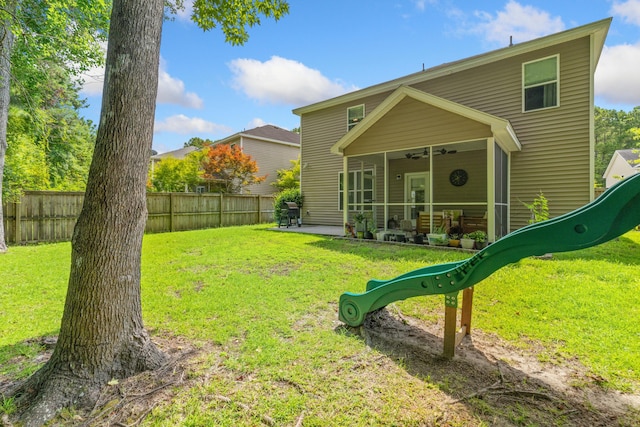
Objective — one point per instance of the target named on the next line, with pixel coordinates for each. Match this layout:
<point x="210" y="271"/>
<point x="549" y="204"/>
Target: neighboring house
<point x="272" y="148"/>
<point x="179" y="154"/>
<point x="623" y="164"/>
<point x="483" y="135"/>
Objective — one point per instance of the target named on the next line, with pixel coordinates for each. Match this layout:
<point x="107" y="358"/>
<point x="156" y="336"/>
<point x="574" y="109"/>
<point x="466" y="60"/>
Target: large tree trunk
<point x="6" y="47"/>
<point x="102" y="335"/>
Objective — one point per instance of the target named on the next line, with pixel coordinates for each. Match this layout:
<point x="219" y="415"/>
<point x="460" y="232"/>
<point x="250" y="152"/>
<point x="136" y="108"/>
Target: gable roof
<point x="596" y="29"/>
<point x="269" y="133"/>
<point x="500" y="127"/>
<point x="630" y="155"/>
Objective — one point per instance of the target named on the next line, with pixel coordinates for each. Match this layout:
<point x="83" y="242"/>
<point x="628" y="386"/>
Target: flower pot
<point x="360" y="234"/>
<point x="454" y="242"/>
<point x="467" y="243"/>
<point x="380" y="235"/>
<point x="481" y="245"/>
<point x="438" y="239"/>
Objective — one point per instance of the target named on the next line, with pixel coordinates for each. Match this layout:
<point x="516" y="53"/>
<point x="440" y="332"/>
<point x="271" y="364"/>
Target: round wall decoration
<point x="458" y="177"/>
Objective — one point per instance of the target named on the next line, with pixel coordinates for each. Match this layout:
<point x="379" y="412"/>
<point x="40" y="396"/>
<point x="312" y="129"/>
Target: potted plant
<point x="467" y="242"/>
<point x="370" y="226"/>
<point x="455" y="233"/>
<point x="480" y="238"/>
<point x="438" y="236"/>
<point x="359" y="218"/>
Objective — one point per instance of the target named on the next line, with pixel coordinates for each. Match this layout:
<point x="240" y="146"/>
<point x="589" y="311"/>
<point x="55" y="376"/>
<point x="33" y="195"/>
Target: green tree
<point x="612" y="130"/>
<point x="26" y="165"/>
<point x="35" y="38"/>
<point x="175" y="175"/>
<point x="230" y="169"/>
<point x="102" y="336"/>
<point x="288" y="178"/>
<point x="198" y="142"/>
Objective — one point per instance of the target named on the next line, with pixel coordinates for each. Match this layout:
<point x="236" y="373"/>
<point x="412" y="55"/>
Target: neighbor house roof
<point x="630" y="155"/>
<point x="180" y="153"/>
<point x="597" y="29"/>
<point x="268" y="133"/>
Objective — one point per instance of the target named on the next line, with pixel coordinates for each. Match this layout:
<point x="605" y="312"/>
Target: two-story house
<point x="481" y="136"/>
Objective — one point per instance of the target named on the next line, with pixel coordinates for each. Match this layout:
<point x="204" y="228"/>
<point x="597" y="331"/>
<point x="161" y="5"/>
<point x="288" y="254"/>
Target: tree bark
<point x="6" y="47"/>
<point x="102" y="334"/>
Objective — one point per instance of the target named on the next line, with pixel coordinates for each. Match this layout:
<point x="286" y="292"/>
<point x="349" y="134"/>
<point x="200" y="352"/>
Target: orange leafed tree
<point x="230" y="168"/>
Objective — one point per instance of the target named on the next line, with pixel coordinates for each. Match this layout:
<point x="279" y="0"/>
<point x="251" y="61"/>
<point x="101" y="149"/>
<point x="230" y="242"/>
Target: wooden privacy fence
<point x="49" y="216"/>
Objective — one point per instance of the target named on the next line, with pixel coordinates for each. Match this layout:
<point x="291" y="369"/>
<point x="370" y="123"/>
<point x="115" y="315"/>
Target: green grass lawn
<point x="267" y="302"/>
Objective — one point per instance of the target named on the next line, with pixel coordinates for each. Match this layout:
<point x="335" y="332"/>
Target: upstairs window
<point x="540" y="84"/>
<point x="354" y="116"/>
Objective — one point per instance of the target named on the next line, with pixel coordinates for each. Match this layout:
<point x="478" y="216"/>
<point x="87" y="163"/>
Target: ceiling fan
<point x="425" y="153"/>
<point x="416" y="156"/>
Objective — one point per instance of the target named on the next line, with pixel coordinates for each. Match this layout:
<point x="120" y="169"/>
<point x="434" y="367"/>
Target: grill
<point x="289" y="211"/>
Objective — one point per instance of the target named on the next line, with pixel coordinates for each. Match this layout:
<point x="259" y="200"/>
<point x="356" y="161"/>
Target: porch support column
<point x="345" y="190"/>
<point x="491" y="189"/>
<point x="386" y="192"/>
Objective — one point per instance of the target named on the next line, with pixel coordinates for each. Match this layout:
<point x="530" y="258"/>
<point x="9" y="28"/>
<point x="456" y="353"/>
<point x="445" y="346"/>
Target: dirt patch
<point x="498" y="380"/>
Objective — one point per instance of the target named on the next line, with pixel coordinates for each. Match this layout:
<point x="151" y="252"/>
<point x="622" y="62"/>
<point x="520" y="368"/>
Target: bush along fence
<point x="49" y="216"/>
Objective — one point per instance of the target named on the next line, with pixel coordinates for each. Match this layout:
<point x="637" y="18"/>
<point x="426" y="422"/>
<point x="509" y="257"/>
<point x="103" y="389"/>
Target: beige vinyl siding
<point x="319" y="179"/>
<point x="269" y="156"/>
<point x="555" y="142"/>
<point x="414" y="124"/>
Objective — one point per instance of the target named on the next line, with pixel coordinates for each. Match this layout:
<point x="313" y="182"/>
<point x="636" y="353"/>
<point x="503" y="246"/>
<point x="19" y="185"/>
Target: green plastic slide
<point x="612" y="214"/>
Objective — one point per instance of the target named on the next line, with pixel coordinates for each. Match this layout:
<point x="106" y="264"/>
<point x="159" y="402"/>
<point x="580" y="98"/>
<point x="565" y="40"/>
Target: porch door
<point x="416" y="194"/>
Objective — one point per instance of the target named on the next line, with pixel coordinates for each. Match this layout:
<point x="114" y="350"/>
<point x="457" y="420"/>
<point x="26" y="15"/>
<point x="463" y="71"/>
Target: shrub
<point x="289" y="195"/>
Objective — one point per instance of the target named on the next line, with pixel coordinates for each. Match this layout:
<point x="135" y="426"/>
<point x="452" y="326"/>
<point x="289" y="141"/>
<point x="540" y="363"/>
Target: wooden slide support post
<point x="452" y="334"/>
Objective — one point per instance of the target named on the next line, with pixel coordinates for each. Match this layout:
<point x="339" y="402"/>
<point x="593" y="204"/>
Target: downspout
<point x="592" y="142"/>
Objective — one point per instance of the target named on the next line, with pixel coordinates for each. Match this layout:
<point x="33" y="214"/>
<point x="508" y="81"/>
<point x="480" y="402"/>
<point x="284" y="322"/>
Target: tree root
<point x="56" y="386"/>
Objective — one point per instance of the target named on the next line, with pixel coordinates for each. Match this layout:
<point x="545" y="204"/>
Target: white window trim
<point x="557" y="81"/>
<point x="346" y="188"/>
<point x="349" y="126"/>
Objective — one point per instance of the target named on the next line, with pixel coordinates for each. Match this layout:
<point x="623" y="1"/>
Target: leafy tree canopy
<point x="198" y="142"/>
<point x="231" y="168"/>
<point x="288" y="178"/>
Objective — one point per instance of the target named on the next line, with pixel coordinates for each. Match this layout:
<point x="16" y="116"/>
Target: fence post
<point x="171" y="221"/>
<point x="221" y="211"/>
<point x="259" y="209"/>
<point x="18" y="219"/>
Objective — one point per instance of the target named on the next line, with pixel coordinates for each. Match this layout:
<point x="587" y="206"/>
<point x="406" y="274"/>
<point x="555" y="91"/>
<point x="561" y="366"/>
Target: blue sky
<point x="324" y="48"/>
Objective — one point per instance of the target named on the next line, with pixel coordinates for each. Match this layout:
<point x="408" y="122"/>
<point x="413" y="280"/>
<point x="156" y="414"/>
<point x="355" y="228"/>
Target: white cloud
<point x="522" y="22"/>
<point x="283" y="81"/>
<point x="92" y="81"/>
<point x="256" y="123"/>
<point x="616" y="79"/>
<point x="184" y="125"/>
<point x="185" y="13"/>
<point x="629" y="11"/>
<point x="170" y="89"/>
